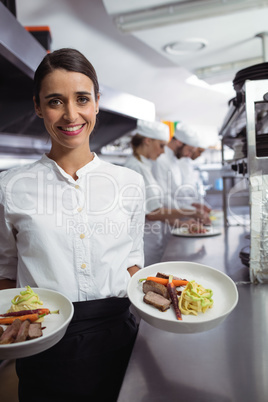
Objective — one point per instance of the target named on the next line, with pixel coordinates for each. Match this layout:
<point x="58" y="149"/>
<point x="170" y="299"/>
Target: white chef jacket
<point x="77" y="237"/>
<point x="192" y="182"/>
<point x="167" y="172"/>
<point x="153" y="231"/>
<point x="154" y="192"/>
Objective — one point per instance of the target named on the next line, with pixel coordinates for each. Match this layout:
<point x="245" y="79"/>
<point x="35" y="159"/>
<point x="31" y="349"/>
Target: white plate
<point x="55" y="324"/>
<point x="183" y="232"/>
<point x="225" y="296"/>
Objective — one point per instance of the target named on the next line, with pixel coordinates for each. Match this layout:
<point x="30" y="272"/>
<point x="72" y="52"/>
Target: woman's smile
<point x="71" y="130"/>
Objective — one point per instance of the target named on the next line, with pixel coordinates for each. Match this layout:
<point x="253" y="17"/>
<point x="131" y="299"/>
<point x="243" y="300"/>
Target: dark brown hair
<point x="136" y="141"/>
<point x="66" y="59"/>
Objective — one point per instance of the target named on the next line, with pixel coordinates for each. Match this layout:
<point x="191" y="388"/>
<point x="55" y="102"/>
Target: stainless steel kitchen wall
<point x="21" y="131"/>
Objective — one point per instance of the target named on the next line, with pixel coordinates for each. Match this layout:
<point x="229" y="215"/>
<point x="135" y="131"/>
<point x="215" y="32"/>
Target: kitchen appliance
<point x="245" y="130"/>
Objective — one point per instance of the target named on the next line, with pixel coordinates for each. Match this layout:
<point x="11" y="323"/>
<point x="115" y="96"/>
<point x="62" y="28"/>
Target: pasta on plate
<point x="26" y="300"/>
<point x="195" y="299"/>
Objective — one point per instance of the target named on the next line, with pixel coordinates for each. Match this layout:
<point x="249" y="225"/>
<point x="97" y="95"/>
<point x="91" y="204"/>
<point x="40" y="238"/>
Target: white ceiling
<point x="136" y="62"/>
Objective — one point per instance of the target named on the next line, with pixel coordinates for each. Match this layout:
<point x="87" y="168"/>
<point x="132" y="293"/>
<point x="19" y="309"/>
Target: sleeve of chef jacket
<point x="8" y="247"/>
<point x="136" y="256"/>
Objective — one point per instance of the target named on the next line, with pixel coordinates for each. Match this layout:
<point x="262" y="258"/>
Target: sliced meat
<point x="23" y="331"/>
<point x="10" y="334"/>
<point x="155" y="287"/>
<point x="156" y="300"/>
<point x="1" y="331"/>
<point x="35" y="330"/>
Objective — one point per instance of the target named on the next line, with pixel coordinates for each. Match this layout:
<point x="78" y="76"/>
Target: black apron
<point x="88" y="362"/>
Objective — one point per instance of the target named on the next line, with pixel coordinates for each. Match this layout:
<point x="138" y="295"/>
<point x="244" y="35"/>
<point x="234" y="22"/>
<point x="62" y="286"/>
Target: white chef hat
<point x="153" y="129"/>
<point x="187" y="135"/>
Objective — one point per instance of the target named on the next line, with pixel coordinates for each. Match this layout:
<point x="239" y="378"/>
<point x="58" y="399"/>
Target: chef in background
<point x="148" y="143"/>
<point x="171" y="171"/>
<point x="193" y="190"/>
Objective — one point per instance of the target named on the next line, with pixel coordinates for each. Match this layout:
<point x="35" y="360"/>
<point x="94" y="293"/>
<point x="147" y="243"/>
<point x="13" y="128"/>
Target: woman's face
<point x="156" y="148"/>
<point x="68" y="107"/>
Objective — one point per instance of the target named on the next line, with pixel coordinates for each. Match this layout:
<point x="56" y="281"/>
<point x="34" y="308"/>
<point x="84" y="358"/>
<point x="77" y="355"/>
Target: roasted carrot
<point x="173" y="296"/>
<point x="9" y="320"/>
<point x="40" y="311"/>
<point x="163" y="281"/>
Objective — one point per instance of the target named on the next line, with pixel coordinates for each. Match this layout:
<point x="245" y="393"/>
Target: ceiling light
<point x="218" y="69"/>
<point x="185" y="47"/>
<point x="182" y="12"/>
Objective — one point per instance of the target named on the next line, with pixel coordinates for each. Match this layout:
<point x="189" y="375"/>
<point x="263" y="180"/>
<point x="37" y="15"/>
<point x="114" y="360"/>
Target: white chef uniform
<point x="192" y="185"/>
<point x="153" y="231"/>
<point x="167" y="173"/>
<point x="171" y="174"/>
<point x="77" y="237"/>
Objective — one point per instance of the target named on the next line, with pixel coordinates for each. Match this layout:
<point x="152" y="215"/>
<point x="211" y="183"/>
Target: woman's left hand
<point x="132" y="270"/>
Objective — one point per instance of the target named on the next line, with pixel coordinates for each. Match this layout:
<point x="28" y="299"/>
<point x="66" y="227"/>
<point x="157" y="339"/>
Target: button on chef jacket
<point x="77" y="237"/>
<point x="153" y="231"/>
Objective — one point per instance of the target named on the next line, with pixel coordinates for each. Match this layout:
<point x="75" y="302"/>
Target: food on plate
<point x="26" y="300"/>
<point x="155" y="287"/>
<point x="10" y="334"/>
<point x="164" y="281"/>
<point x="195" y="229"/>
<point x="23" y="320"/>
<point x="23" y="331"/>
<point x="39" y="311"/>
<point x="26" y="303"/>
<point x="165" y="286"/>
<point x="35" y="330"/>
<point x="198" y="229"/>
<point x="161" y="292"/>
<point x="165" y="276"/>
<point x="9" y="320"/>
<point x="156" y="300"/>
<point x="195" y="299"/>
<point x="174" y="298"/>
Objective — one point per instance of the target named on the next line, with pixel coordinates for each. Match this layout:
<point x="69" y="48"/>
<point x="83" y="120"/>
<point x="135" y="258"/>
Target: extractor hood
<point x="21" y="131"/>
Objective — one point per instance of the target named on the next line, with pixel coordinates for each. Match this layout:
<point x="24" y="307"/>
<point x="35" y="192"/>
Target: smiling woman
<point x="66" y="96"/>
<point x="74" y="223"/>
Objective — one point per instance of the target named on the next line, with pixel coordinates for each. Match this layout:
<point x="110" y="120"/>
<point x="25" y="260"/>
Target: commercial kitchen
<point x="228" y="362"/>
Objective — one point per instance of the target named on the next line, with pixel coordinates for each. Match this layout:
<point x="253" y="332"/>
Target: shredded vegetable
<point x="195" y="299"/>
<point x="26" y="300"/>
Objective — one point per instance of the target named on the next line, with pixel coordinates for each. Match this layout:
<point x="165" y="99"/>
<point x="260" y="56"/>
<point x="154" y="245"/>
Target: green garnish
<point x="28" y="293"/>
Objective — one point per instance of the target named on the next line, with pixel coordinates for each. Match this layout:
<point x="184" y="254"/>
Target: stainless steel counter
<point x="225" y="364"/>
<point x="220" y="252"/>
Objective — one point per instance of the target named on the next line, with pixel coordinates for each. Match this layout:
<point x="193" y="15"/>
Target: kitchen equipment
<point x="245" y="130"/>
